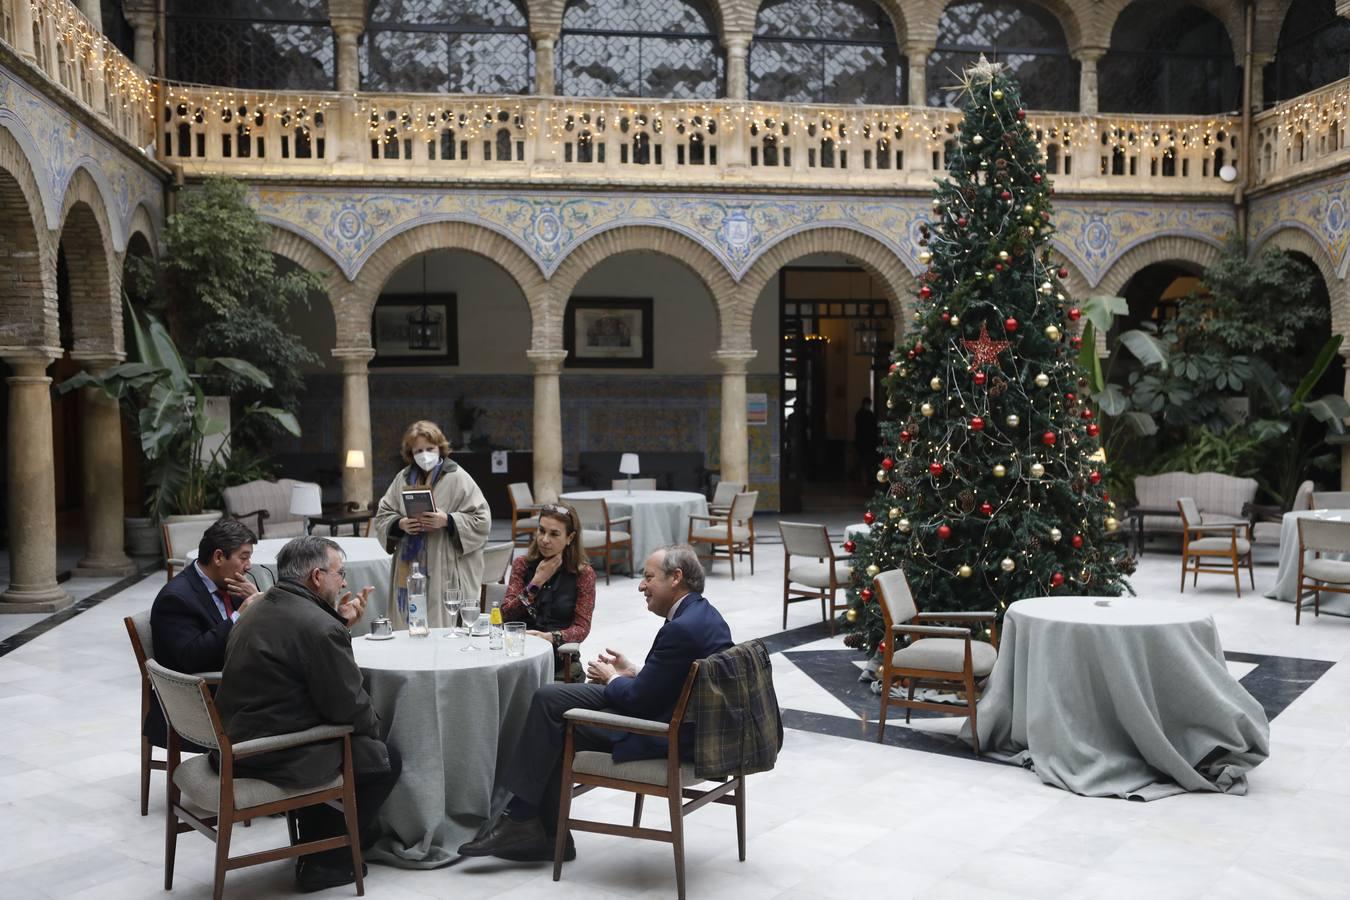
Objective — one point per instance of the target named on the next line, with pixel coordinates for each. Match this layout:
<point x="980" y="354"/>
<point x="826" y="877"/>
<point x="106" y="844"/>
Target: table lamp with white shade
<point x="356" y="459"/>
<point x="628" y="465"/>
<point x="306" y="500"/>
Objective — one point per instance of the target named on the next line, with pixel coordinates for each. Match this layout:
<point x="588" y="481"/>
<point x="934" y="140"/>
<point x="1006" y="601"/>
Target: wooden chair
<point x="1320" y="573"/>
<point x="1196" y="548"/>
<point x="497" y="561"/>
<point x="179" y="538"/>
<point x="142" y="645"/>
<point x="603" y="536"/>
<point x="725" y="492"/>
<point x="639" y="484"/>
<point x="1266" y="527"/>
<point x="1330" y="500"/>
<point x="732" y="534"/>
<point x="191" y="714"/>
<point x="937" y="655"/>
<point x="524" y="513"/>
<point x="816" y="568"/>
<point x="669" y="778"/>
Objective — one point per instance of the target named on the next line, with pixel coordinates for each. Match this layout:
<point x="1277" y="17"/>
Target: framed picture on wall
<point x="608" y="333"/>
<point x="415" y="330"/>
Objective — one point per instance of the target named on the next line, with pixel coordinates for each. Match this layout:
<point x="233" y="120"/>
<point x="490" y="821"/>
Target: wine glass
<point x="468" y="614"/>
<point x="453" y="599"/>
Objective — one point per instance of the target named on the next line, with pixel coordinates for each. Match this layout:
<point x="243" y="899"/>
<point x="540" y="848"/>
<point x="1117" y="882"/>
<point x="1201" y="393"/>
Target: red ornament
<point x="1036" y="179"/>
<point x="998" y="267"/>
<point x="981" y="378"/>
<point x="906" y="437"/>
<point x="1087" y="413"/>
<point x="849" y="547"/>
<point x="1074" y="312"/>
<point x="1063" y="272"/>
<point x="946" y="318"/>
<point x="987" y="508"/>
<point x="961" y="222"/>
<point x="977" y="424"/>
<point x="1095" y="477"/>
<point x="1071" y="397"/>
<point x="1021" y="114"/>
<point x="888" y="464"/>
<point x="1006" y="195"/>
<point x="944" y="532"/>
<point x="1049" y="439"/>
<point x="935" y="469"/>
<point x="984" y="349"/>
<point x="866" y="595"/>
<point x="1106" y="497"/>
<point x="1057" y="579"/>
<point x="1045" y="216"/>
<point x="1077" y="542"/>
<point x="1075" y="342"/>
<point x="909" y="354"/>
<point x="894" y="366"/>
<point x="918" y="348"/>
<point x="869" y="517"/>
<point x="1010" y="324"/>
<point x="1093" y="430"/>
<point x="925" y="292"/>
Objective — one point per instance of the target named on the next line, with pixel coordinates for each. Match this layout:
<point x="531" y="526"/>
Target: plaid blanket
<point x="738" y="729"/>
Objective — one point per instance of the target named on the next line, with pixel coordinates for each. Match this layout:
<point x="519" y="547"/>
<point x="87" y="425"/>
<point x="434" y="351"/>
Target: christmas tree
<point x="993" y="483"/>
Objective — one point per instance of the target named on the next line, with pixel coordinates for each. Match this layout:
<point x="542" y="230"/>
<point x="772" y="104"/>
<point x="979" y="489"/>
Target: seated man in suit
<point x="672" y="581"/>
<point x="289" y="666"/>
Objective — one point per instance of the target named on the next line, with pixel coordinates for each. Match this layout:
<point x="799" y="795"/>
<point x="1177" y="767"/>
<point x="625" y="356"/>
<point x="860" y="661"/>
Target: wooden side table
<point x="336" y="520"/>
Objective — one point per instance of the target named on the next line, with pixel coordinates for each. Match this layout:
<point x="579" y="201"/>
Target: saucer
<point x="379" y="637"/>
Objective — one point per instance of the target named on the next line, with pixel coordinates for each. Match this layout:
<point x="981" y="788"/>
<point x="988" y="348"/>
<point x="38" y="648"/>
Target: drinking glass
<point x="468" y="614"/>
<point x="515" y="638"/>
<point x="453" y="599"/>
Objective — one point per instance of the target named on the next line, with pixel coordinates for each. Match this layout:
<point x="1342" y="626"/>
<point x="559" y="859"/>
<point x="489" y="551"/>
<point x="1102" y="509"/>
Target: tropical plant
<point x="168" y="407"/>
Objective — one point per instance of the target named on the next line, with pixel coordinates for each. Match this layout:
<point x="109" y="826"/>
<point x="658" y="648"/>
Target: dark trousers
<point x="534" y="773"/>
<point x="372" y="789"/>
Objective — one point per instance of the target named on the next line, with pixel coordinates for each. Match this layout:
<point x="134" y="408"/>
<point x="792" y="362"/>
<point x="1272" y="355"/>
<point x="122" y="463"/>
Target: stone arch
<point x="304" y="253"/>
<point x="28" y="311"/>
<point x="354" y="302"/>
<point x="1173" y="249"/>
<point x="926" y="16"/>
<point x="710" y="270"/>
<point x="545" y="16"/>
<point x="1270" y="16"/>
<point x="1230" y="14"/>
<point x="741" y="15"/>
<point x="879" y="260"/>
<point x="94" y="266"/>
<point x="1298" y="240"/>
<point x="144" y="225"/>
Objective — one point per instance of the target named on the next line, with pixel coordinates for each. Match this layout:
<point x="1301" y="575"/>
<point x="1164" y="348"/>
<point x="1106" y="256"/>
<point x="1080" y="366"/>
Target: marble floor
<point x="840" y="816"/>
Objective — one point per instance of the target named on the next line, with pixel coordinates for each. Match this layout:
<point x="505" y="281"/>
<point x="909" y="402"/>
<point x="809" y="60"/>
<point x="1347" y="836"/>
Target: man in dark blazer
<point x="194" y="613"/>
<point x="672" y="582"/>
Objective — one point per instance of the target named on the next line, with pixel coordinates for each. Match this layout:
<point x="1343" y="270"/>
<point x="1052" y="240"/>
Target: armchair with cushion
<point x="603" y="536"/>
<point x="265" y="506"/>
<point x="732" y="534"/>
<point x="1322" y="550"/>
<point x="1330" y="500"/>
<point x="1202" y="540"/>
<point x="524" y="513"/>
<point x="816" y="568"/>
<point x="726" y="491"/>
<point x="1267" y="520"/>
<point x="179" y="538"/>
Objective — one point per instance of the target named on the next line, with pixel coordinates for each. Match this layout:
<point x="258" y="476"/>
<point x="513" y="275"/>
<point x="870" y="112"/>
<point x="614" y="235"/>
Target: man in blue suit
<point x="672" y="582"/>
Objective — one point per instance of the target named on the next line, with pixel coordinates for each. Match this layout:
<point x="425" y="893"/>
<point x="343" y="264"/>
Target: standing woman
<point x="552" y="587"/>
<point x="448" y="542"/>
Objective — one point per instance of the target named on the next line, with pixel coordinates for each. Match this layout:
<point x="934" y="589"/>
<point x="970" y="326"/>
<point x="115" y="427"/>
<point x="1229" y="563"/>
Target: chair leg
<point x="637" y="809"/>
<point x="913" y="683"/>
<point x="740" y="817"/>
<point x="885" y="702"/>
<point x="970" y="707"/>
<point x="1251" y="574"/>
<point x="677" y="838"/>
<point x="731" y="561"/>
<point x="353" y="832"/>
<point x="145" y="775"/>
<point x="223" y="827"/>
<point x="752" y="556"/>
<point x="1237" y="575"/>
<point x="825" y="607"/>
<point x="1183" y="572"/>
<point x="564" y="808"/>
<point x="170" y="842"/>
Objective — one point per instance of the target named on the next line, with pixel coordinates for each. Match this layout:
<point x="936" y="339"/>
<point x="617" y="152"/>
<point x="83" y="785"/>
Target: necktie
<point x="225" y="601"/>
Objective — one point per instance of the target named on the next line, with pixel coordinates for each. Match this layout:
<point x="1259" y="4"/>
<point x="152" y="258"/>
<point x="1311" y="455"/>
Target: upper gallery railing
<point x="56" y="37"/>
<point x="1303" y="136"/>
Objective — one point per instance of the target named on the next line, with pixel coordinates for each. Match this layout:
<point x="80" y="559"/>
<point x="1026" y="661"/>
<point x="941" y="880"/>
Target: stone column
<point x="143" y="25"/>
<point x="917" y="54"/>
<point x="93" y="11"/>
<point x="1087" y="79"/>
<point x="548" y="449"/>
<point x="1345" y="448"/>
<point x="1259" y="63"/>
<point x="23" y="31"/>
<point x="545" y="71"/>
<point x="101" y="465"/>
<point x="348" y="32"/>
<point x="356" y="483"/>
<point x="738" y="71"/>
<point x="734" y="440"/>
<point x="32" y="490"/>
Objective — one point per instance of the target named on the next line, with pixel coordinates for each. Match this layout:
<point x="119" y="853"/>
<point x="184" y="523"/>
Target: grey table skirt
<point x="1129" y="699"/>
<point x="1286" y="578"/>
<point x="454" y="717"/>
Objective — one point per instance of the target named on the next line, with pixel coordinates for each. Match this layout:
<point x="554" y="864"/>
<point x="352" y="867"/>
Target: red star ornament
<point x="985" y="348"/>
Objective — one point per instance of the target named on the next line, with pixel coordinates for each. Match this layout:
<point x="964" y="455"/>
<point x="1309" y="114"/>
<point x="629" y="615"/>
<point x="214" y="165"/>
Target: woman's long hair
<point x="572" y="557"/>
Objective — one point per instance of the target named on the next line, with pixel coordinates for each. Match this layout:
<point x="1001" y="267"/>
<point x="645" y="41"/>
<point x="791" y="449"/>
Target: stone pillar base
<point x="38" y="601"/>
<point x="103" y="568"/>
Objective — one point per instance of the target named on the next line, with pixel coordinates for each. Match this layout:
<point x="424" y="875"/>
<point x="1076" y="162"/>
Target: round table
<point x="454" y="716"/>
<point x="1286" y="580"/>
<point x="365" y="561"/>
<point x="1120" y="697"/>
<point x="659" y="517"/>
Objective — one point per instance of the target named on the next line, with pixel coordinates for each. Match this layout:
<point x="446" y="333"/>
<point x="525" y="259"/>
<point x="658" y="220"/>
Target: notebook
<point x="417" y="501"/>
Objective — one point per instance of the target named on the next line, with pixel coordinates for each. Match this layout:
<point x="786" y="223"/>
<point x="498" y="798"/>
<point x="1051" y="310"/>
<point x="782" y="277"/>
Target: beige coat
<point x="454" y="563"/>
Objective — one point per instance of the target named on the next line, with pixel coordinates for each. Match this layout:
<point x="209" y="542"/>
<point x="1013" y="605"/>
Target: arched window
<point x="826" y="51"/>
<point x="1314" y="50"/>
<point x="1025" y="37"/>
<point x="263" y="44"/>
<point x="1168" y="58"/>
<point x="639" y="48"/>
<point x="447" y="46"/>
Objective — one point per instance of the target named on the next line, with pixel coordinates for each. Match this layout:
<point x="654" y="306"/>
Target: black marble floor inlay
<point x="37" y="629"/>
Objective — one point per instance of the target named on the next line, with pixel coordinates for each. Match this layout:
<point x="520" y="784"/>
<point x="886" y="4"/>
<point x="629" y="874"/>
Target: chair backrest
<point x="726" y="492"/>
<point x="1322" y="536"/>
<point x="142" y="639"/>
<point x="493" y="592"/>
<point x="743" y="506"/>
<point x="594" y="514"/>
<point x="897" y="602"/>
<point x="1190" y="513"/>
<point x="1212" y="492"/>
<point x="496" y="560"/>
<point x="805" y="539"/>
<point x="639" y="484"/>
<point x="180" y="537"/>
<point x="273" y="496"/>
<point x="1303" y="496"/>
<point x="520" y="494"/>
<point x="1331" y="499"/>
<point x="186" y="705"/>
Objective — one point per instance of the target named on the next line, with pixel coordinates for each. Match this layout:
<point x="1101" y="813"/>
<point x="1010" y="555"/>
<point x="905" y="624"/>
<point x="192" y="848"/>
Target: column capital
<point x="734" y="362"/>
<point x="736" y="40"/>
<point x="23" y="360"/>
<point x="348" y="27"/>
<point x="546" y="362"/>
<point x="97" y="360"/>
<point x="918" y="47"/>
<point x="1088" y="54"/>
<point x="545" y="36"/>
<point x="365" y="354"/>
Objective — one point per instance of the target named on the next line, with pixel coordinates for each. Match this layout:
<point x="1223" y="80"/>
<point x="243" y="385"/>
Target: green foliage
<point x="240" y="467"/>
<point x="964" y="508"/>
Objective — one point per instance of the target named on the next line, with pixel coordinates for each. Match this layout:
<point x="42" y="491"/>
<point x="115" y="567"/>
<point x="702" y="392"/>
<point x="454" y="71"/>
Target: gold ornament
<point x="1037" y="470"/>
<point x="956" y="321"/>
<point x="1000" y="470"/>
<point x="1042" y="380"/>
<point x="903" y="525"/>
<point x="918" y="317"/>
<point x="937" y="204"/>
<point x="998" y="95"/>
<point x="881" y="476"/>
<point x="903" y="371"/>
<point x="965" y="571"/>
<point x="894" y="512"/>
<point x="1013" y="420"/>
<point x="1003" y="256"/>
<point x="979" y="274"/>
<point x="925" y="257"/>
<point x="1055" y="535"/>
<point x="873" y="570"/>
<point x="851" y="616"/>
<point x="1052" y="332"/>
<point x="1029" y="209"/>
<point x="926" y="409"/>
<point x="1006" y="564"/>
<point x="1111" y="523"/>
<point x="936" y="383"/>
<point x="977" y="140"/>
<point x="989" y="277"/>
<point x="890" y="404"/>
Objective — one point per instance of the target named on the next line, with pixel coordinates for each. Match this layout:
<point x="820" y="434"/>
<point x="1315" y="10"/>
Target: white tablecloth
<point x="1286" y="580"/>
<point x="1120" y="698"/>
<point x="659" y="517"/>
<point x="454" y="717"/>
<point x="366" y="564"/>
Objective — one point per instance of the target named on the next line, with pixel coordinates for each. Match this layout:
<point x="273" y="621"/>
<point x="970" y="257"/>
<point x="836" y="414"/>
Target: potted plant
<point x="466" y="417"/>
<point x="170" y="413"/>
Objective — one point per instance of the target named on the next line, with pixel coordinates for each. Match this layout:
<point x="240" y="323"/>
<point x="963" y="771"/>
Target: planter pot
<point x="143" y="537"/>
<point x="206" y="515"/>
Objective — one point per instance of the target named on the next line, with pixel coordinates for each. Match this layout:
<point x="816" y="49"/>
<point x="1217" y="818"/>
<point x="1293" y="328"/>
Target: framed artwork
<point x="415" y="330"/>
<point x="608" y="333"/>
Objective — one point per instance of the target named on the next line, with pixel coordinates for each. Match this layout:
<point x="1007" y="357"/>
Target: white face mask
<point x="427" y="459"/>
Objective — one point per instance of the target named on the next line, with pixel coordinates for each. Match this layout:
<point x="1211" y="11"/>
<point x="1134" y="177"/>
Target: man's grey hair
<point x="303" y="555"/>
<point x="683" y="557"/>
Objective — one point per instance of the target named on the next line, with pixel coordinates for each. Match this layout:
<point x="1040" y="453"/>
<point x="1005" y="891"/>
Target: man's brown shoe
<point x="509" y="839"/>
